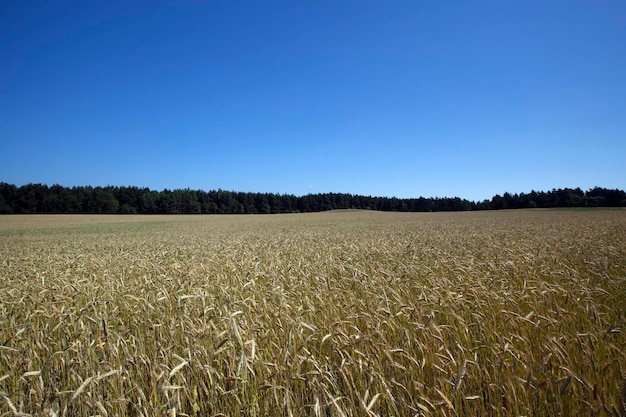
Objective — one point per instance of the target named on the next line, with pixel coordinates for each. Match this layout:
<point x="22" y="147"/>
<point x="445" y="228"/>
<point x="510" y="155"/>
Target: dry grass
<point x="331" y="314"/>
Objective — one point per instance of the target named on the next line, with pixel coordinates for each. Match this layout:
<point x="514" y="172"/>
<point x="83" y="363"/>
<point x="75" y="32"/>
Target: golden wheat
<point x="340" y="313"/>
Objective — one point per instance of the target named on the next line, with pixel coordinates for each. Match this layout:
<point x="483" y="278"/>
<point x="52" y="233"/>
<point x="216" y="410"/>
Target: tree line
<point x="40" y="198"/>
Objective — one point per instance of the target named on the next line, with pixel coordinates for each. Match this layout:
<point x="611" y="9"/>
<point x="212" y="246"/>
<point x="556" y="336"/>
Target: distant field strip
<point x="344" y="313"/>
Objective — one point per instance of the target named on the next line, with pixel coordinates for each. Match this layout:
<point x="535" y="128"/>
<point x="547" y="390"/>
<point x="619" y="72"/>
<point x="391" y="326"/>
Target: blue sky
<point x="398" y="98"/>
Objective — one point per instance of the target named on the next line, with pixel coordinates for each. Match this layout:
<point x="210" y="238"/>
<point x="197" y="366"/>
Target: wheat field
<point x="345" y="313"/>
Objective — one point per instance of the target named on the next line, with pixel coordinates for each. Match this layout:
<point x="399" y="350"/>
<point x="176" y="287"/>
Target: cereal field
<point x="347" y="313"/>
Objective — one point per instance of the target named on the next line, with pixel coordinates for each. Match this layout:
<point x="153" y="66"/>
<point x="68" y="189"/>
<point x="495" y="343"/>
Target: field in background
<point x="349" y="313"/>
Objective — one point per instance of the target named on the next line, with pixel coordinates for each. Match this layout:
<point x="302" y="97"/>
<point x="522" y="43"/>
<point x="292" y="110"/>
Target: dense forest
<point x="39" y="198"/>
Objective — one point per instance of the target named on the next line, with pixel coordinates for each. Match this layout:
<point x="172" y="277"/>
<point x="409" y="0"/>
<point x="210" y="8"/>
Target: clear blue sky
<point x="386" y="98"/>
